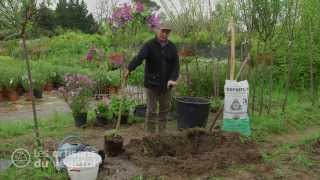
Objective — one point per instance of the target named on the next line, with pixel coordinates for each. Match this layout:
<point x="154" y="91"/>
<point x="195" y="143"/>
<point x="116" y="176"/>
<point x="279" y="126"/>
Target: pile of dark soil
<point x="191" y="153"/>
<point x="315" y="148"/>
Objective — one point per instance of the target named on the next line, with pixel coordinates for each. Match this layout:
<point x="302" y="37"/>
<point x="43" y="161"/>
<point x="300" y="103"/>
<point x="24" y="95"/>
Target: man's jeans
<point x="154" y="120"/>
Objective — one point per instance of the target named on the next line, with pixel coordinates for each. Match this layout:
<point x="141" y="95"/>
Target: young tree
<point x="290" y="20"/>
<point x="15" y="16"/>
<point x="265" y="18"/>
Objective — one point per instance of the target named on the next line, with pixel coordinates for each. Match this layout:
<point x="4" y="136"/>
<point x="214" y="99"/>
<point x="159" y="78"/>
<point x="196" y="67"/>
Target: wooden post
<point x="232" y="61"/>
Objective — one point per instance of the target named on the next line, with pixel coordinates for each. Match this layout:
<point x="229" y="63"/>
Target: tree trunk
<point x="254" y="70"/>
<point x="289" y="62"/>
<point x="25" y="54"/>
<point x="262" y="83"/>
<point x="312" y="91"/>
<point x="270" y="82"/>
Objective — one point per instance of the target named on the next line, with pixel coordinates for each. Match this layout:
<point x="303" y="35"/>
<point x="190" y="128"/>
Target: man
<point x="161" y="74"/>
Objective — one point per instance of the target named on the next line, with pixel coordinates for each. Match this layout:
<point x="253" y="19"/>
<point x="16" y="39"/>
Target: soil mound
<point x="191" y="153"/>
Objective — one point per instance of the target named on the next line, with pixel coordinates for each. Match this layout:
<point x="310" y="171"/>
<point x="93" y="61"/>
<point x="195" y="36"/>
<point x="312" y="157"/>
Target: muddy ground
<point x="192" y="154"/>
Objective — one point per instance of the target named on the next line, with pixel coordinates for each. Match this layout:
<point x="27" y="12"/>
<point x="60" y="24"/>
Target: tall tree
<point x="73" y="14"/>
<point x="44" y="18"/>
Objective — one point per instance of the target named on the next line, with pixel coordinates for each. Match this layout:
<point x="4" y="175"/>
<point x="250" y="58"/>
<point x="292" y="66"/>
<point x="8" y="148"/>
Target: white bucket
<point x="82" y="165"/>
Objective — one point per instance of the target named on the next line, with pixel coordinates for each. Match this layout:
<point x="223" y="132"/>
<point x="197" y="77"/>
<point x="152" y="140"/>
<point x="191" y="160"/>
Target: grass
<point x="19" y="135"/>
<point x="50" y="126"/>
<point x="33" y="173"/>
<point x="300" y="115"/>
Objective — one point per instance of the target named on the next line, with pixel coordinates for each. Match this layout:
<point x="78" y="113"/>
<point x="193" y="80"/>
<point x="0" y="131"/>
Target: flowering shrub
<point x="77" y="91"/>
<point x="103" y="109"/>
<point x="139" y="7"/>
<point x="90" y="54"/>
<point x="126" y="13"/>
<point x="94" y="54"/>
<point x="116" y="58"/>
<point x="153" y="20"/>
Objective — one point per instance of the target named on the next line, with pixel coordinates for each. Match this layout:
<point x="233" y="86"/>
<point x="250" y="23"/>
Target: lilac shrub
<point x="77" y="92"/>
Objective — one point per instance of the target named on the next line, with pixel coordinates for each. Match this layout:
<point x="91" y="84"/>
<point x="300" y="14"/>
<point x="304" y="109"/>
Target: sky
<point x="92" y="4"/>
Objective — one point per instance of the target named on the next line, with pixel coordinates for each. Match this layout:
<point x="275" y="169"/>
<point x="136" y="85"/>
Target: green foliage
<point x="104" y="111"/>
<point x="10" y="72"/>
<point x="45" y="20"/>
<point x="200" y="73"/>
<point x="114" y="106"/>
<point x="216" y="103"/>
<point x="102" y="78"/>
<point x="137" y="77"/>
<point x="114" y="77"/>
<point x="300" y="115"/>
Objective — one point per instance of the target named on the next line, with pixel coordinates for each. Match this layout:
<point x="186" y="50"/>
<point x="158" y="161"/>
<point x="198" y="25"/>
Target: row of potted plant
<point x="108" y="108"/>
<point x="14" y="80"/>
<point x="46" y="76"/>
<point x="78" y="91"/>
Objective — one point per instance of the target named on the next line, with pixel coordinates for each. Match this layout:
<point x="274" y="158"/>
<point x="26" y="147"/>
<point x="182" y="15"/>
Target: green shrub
<point x="104" y="111"/>
<point x="114" y="106"/>
<point x="137" y="77"/>
<point x="114" y="77"/>
<point x="10" y="72"/>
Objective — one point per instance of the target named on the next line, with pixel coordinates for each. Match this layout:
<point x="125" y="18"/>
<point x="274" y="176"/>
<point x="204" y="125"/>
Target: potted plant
<point x="2" y="94"/>
<point x="102" y="80"/>
<point x="114" y="81"/>
<point x="11" y="82"/>
<point x="38" y="82"/>
<point x="127" y="105"/>
<point x="77" y="93"/>
<point x="103" y="114"/>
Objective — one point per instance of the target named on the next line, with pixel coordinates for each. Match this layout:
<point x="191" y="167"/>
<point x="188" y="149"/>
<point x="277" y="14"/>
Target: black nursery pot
<point x="37" y="93"/>
<point x="100" y="119"/>
<point x="192" y="112"/>
<point x="124" y="118"/>
<point x="113" y="146"/>
<point x="140" y="110"/>
<point x="80" y="119"/>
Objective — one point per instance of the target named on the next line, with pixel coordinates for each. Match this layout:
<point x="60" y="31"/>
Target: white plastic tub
<point x="82" y="165"/>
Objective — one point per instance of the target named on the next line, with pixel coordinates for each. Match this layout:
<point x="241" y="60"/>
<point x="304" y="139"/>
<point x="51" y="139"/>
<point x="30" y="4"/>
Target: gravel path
<point x="22" y="109"/>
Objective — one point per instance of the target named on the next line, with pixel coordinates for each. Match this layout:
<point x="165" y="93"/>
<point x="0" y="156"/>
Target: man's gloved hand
<point x="171" y="84"/>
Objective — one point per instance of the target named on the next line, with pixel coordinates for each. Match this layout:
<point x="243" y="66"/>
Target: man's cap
<point x="165" y="26"/>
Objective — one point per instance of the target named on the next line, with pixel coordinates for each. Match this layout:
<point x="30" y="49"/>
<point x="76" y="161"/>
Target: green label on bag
<point x="237" y="125"/>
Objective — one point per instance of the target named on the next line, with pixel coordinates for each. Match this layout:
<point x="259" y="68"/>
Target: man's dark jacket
<point x="162" y="64"/>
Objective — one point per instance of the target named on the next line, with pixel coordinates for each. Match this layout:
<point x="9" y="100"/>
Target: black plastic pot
<point x="192" y="112"/>
<point x="140" y="110"/>
<point x="113" y="146"/>
<point x="124" y="118"/>
<point x="37" y="93"/>
<point x="80" y="119"/>
<point x="100" y="120"/>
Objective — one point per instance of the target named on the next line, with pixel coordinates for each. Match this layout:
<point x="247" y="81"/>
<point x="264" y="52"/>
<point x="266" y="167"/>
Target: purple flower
<point x="106" y="101"/>
<point x="89" y="57"/>
<point x="121" y="15"/>
<point x="139" y="7"/>
<point x="154" y="21"/>
<point x="90" y="54"/>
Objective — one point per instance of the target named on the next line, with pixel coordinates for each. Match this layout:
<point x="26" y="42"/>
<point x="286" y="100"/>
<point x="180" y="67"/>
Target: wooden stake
<point x="232" y="50"/>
